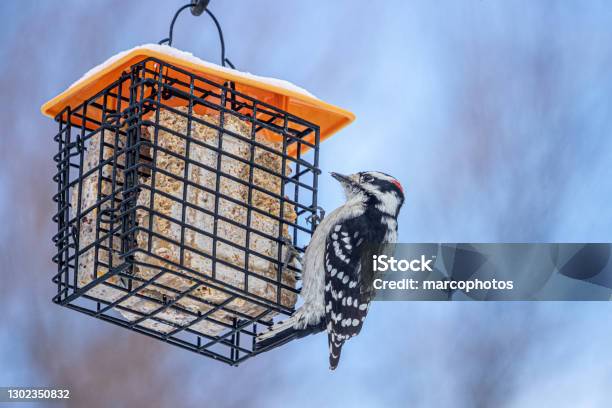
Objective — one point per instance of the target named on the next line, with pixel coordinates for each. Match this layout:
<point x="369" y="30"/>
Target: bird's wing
<point x="348" y="285"/>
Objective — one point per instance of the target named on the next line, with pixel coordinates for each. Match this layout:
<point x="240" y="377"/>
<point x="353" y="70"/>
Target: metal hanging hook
<point x="197" y="8"/>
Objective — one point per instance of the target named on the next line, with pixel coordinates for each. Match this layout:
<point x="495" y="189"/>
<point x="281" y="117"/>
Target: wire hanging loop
<point x="197" y="8"/>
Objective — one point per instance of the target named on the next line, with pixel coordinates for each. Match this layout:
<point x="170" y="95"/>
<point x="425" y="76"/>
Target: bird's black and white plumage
<point x="336" y="267"/>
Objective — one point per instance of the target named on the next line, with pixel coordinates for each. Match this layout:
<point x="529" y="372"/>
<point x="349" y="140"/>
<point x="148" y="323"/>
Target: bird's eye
<point x="366" y="178"/>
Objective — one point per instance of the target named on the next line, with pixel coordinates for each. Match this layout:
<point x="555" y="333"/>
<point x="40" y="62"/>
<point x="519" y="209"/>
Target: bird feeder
<point x="183" y="187"/>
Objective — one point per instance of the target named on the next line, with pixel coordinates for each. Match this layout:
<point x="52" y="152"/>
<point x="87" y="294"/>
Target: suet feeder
<point x="183" y="187"/>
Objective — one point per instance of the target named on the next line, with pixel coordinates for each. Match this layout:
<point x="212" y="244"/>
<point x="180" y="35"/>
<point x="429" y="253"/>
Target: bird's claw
<point x="291" y="255"/>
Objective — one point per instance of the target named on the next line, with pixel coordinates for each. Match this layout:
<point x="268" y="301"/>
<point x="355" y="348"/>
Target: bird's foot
<point x="292" y="261"/>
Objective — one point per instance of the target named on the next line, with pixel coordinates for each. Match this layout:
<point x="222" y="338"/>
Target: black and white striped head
<point x="376" y="188"/>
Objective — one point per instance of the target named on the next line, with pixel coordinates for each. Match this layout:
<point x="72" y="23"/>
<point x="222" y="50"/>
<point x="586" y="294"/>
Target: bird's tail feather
<point x="335" y="348"/>
<point x="283" y="333"/>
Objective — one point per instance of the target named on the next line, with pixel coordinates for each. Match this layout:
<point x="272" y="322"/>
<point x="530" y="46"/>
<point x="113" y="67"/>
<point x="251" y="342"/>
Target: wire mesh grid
<point x="180" y="201"/>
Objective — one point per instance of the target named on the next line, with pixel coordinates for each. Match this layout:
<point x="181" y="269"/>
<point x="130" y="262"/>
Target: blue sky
<point x="495" y="115"/>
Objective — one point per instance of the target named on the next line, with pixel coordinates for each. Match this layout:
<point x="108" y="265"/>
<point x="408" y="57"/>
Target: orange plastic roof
<point x="328" y="117"/>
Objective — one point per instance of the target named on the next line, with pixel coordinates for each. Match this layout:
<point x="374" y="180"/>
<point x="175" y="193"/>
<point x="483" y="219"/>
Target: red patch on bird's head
<point x="398" y="185"/>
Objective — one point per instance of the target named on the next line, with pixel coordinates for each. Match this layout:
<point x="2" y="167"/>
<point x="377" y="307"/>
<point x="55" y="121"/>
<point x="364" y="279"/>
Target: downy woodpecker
<point x="336" y="268"/>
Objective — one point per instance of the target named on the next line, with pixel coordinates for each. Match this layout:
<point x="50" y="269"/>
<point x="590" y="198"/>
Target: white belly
<point x="313" y="264"/>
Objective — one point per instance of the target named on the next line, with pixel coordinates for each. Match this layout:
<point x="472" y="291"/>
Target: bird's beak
<point x="342" y="178"/>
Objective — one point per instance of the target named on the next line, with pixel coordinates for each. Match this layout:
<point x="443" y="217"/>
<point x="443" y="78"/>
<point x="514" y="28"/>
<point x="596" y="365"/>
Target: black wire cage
<point x="161" y="227"/>
<point x="185" y="194"/>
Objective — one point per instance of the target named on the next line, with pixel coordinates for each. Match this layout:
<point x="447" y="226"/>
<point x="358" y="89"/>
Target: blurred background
<point x="495" y="115"/>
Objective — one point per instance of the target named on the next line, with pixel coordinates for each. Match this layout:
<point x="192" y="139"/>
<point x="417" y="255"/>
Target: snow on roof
<point x="187" y="56"/>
